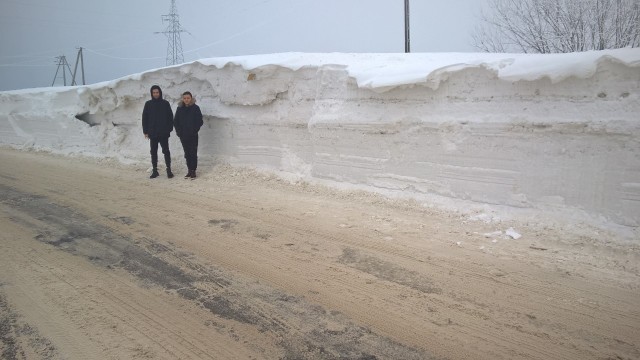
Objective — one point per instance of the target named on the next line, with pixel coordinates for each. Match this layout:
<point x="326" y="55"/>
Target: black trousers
<point x="190" y="146"/>
<point x="164" y="143"/>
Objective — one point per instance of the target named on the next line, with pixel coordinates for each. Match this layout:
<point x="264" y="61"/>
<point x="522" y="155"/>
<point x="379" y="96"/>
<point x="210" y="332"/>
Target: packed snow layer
<point x="544" y="132"/>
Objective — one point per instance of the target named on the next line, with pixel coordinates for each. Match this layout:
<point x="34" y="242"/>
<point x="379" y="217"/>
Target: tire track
<point x="67" y="231"/>
<point x="530" y="307"/>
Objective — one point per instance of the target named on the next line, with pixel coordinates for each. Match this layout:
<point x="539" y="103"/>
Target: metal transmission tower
<point x="62" y="63"/>
<point x="172" y="31"/>
<point x="79" y="59"/>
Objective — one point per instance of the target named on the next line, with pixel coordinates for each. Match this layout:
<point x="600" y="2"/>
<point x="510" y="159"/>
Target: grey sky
<point x="118" y="35"/>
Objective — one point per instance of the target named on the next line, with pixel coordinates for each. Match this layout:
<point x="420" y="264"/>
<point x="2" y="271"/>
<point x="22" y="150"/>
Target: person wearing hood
<point x="157" y="125"/>
<point x="187" y="122"/>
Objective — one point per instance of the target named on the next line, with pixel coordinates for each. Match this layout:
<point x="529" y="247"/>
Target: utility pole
<point x="80" y="59"/>
<point x="407" y="32"/>
<point x="62" y="62"/>
<point x="172" y="31"/>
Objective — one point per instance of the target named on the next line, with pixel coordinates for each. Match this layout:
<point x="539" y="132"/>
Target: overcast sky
<point x="118" y="35"/>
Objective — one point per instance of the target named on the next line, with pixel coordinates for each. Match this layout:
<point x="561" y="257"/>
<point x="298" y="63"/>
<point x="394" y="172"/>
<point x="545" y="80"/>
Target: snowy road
<point x="99" y="262"/>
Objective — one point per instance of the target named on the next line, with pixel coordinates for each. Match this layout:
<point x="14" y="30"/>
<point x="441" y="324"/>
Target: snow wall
<point x="553" y="133"/>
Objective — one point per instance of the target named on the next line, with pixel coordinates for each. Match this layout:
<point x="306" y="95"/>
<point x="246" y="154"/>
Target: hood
<point x="155" y="87"/>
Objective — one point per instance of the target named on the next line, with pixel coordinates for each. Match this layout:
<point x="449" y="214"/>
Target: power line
<point x="29" y="62"/>
<point x="100" y="52"/>
<point x="122" y="58"/>
<point x="23" y="65"/>
<point x="240" y="33"/>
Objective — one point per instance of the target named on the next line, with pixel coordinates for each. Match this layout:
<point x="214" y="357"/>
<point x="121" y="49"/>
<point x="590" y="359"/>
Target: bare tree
<point x="558" y="26"/>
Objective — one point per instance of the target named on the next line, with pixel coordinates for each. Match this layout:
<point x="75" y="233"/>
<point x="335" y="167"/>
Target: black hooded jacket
<point x="188" y="120"/>
<point x="157" y="116"/>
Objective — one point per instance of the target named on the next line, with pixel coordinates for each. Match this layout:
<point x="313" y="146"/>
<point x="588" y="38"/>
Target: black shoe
<point x="169" y="173"/>
<point x="188" y="175"/>
<point x="193" y="174"/>
<point x="154" y="174"/>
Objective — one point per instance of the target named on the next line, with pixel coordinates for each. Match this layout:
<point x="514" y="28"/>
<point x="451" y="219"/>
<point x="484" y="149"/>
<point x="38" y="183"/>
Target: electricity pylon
<point x="79" y="59"/>
<point x="172" y="31"/>
<point x="62" y="63"/>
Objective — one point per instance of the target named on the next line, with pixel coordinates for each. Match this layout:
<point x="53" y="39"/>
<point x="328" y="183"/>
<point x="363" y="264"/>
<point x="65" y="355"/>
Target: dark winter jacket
<point x="157" y="116"/>
<point x="188" y="120"/>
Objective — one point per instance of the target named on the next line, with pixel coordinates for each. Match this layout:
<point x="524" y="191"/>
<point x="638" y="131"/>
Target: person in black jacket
<point x="157" y="125"/>
<point x="187" y="122"/>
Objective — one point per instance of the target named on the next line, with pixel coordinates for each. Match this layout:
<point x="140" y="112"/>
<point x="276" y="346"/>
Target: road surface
<point x="97" y="261"/>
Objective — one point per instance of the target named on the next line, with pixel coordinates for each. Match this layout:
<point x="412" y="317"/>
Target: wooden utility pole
<point x="407" y="32"/>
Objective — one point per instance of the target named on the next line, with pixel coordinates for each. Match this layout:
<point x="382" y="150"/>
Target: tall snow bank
<point x="543" y="132"/>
